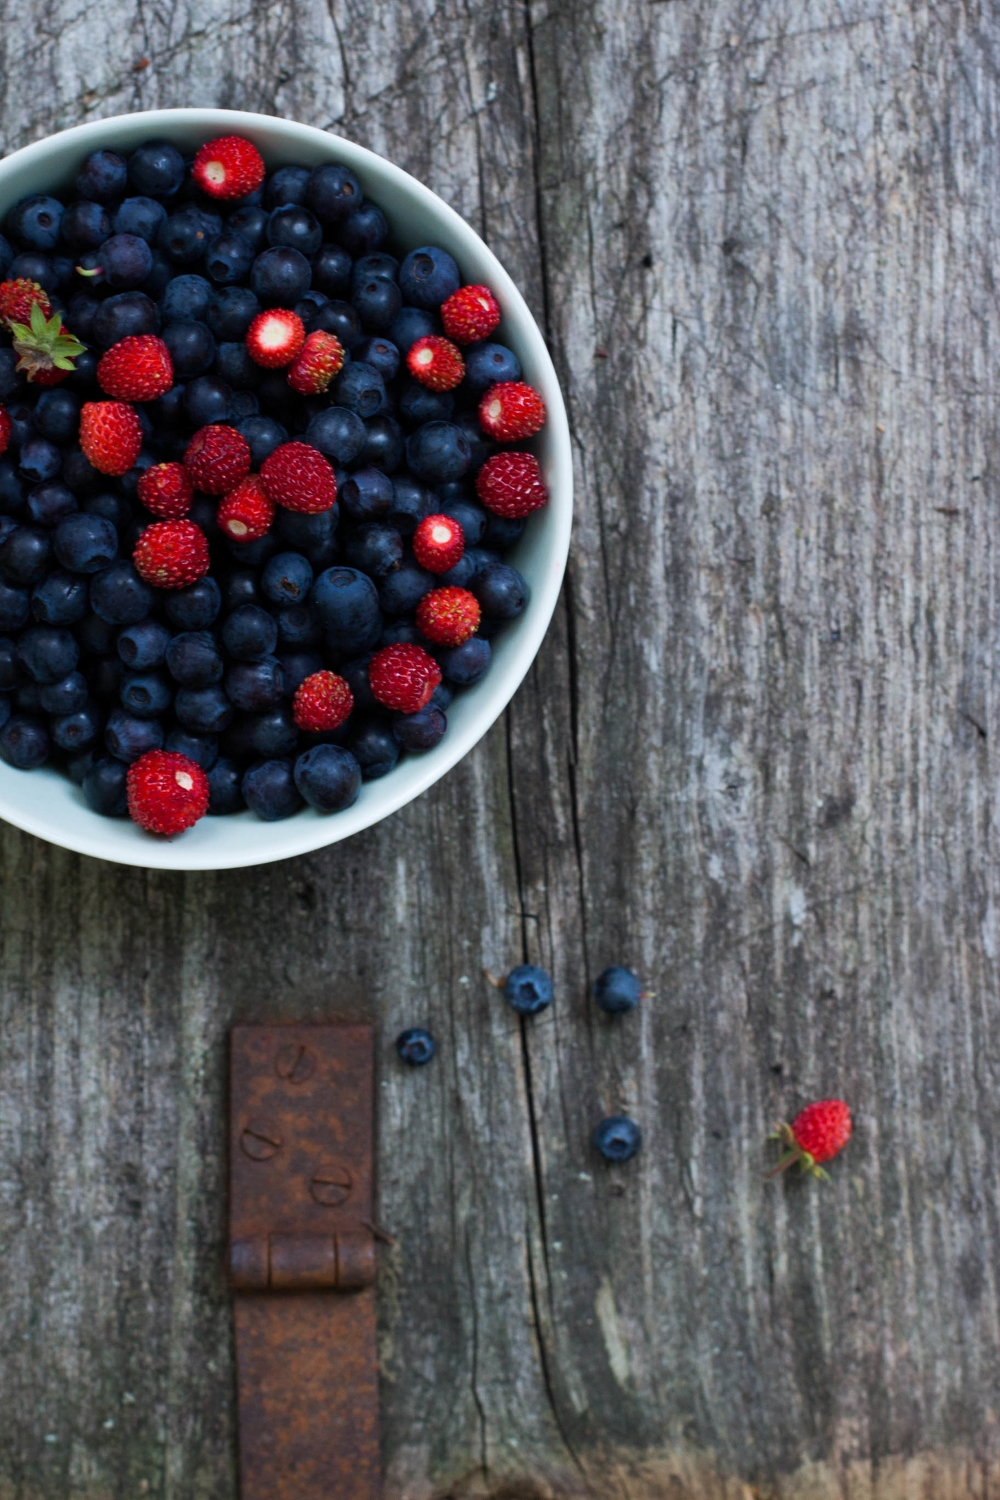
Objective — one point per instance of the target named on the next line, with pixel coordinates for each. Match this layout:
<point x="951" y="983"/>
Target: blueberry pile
<point x="98" y="666"/>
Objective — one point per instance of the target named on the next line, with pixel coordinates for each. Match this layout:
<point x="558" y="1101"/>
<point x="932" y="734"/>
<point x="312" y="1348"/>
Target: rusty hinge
<point x="302" y="1261"/>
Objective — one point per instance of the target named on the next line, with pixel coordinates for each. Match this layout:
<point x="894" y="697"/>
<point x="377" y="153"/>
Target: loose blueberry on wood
<point x="528" y="989"/>
<point x="415" y="1046"/>
<point x="617" y="990"/>
<point x="617" y="1138"/>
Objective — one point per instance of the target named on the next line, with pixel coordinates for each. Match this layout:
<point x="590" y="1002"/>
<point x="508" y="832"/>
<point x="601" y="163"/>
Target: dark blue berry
<point x="374" y="548"/>
<point x="413" y="323"/>
<point x="263" y="434"/>
<point x="381" y="354"/>
<point x="243" y="404"/>
<point x="428" y="277"/>
<point x="206" y="400"/>
<point x="360" y="388"/>
<point x="234" y="365"/>
<point x="24" y="556"/>
<point x="186" y="299"/>
<point x="12" y="674"/>
<point x="50" y="503"/>
<point x="438" y="452"/>
<point x="59" y="599"/>
<point x="80" y="316"/>
<point x="65" y="697"/>
<point x="347" y="605"/>
<point x="119" y="595"/>
<point x="24" y="742"/>
<point x="442" y="697"/>
<point x="11" y="380"/>
<point x="332" y="192"/>
<point x="139" y="216"/>
<point x="250" y="633"/>
<point x="287" y="578"/>
<point x="203" y="749"/>
<point x="34" y="222"/>
<point x="192" y="348"/>
<point x="254" y="554"/>
<point x="384" y="445"/>
<point x="187" y="234"/>
<point x="225" y="793"/>
<point x="617" y="990"/>
<point x="147" y="695"/>
<point x="501" y="591"/>
<point x="299" y="626"/>
<point x="194" y="660"/>
<point x="338" y="318"/>
<point x="286" y="185"/>
<point x="375" y="748"/>
<point x="76" y="731"/>
<point x="367" y="495"/>
<point x="328" y="777"/>
<point x="314" y="536"/>
<point x="502" y="531"/>
<point x="85" y="543"/>
<point x="160" y="275"/>
<point x="228" y="258"/>
<point x="269" y="790"/>
<point x="230" y="312"/>
<point x="255" y="685"/>
<point x="203" y="710"/>
<point x="297" y="666"/>
<point x="103" y="177"/>
<point x="48" y="653"/>
<point x="144" y="645"/>
<point x="466" y="664"/>
<point x="364" y="231"/>
<point x="617" y="1138"/>
<point x="124" y="315"/>
<point x="528" y="989"/>
<point x="156" y="169"/>
<point x="379" y="264"/>
<point x="471" y="518"/>
<point x="85" y="225"/>
<point x="410" y="503"/>
<point x="105" y="788"/>
<point x="294" y="226"/>
<point x="416" y="1046"/>
<point x="127" y="737"/>
<point x="400" y="592"/>
<point x="485" y="364"/>
<point x="401" y="633"/>
<point x="80" y="764"/>
<point x="126" y="261"/>
<point x="338" y="433"/>
<point x="420" y="731"/>
<point x="39" y="460"/>
<point x="378" y="303"/>
<point x="419" y="404"/>
<point x="280" y="275"/>
<point x="15" y="606"/>
<point x="273" y="734"/>
<point x="57" y="415"/>
<point x="331" y="272"/>
<point x="250" y="222"/>
<point x="196" y="607"/>
<point x="22" y="420"/>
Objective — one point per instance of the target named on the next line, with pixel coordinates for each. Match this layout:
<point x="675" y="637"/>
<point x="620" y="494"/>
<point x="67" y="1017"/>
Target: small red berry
<point x="448" y="617"/>
<point x="511" y="485"/>
<point x="138" y="368"/>
<point x="438" y="543"/>
<point x="275" y="337"/>
<point x="166" y="491"/>
<point x="403" y="677"/>
<point x="217" y="458"/>
<point x="6" y="428"/>
<point x="510" y="411"/>
<point x="171" y="554"/>
<point x="436" y="363"/>
<point x="470" y="314"/>
<point x="320" y="359"/>
<point x="166" y="792"/>
<point x="246" y="513"/>
<point x="819" y="1132"/>
<point x="110" y="436"/>
<point x="323" y="701"/>
<point x="230" y="167"/>
<point x="17" y="298"/>
<point x="298" y="477"/>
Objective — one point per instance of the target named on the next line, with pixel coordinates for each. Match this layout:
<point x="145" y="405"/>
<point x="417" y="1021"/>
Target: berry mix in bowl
<point x="285" y="488"/>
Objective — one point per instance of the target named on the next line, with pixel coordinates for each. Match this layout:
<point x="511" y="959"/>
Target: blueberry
<point x="85" y="543"/>
<point x="10" y="378"/>
<point x="250" y="222"/>
<point x="194" y="660"/>
<point x="34" y="222"/>
<point x="139" y="216"/>
<point x="192" y="348"/>
<point x="297" y="666"/>
<point x="255" y="685"/>
<point x="204" y="710"/>
<point x="332" y="192"/>
<point x="22" y="420"/>
<point x="50" y="503"/>
<point x="80" y="764"/>
<point x="80" y="316"/>
<point x="331" y="272"/>
<point x="384" y="266"/>
<point x="196" y="607"/>
<point x="65" y="697"/>
<point x="471" y="518"/>
<point x="501" y="591"/>
<point x="12" y="674"/>
<point x="442" y="697"/>
<point x="375" y="748"/>
<point x="299" y="626"/>
<point x="269" y="790"/>
<point x="250" y="633"/>
<point x="103" y="177"/>
<point x="105" y="788"/>
<point x="286" y="185"/>
<point x="384" y="446"/>
<point x="401" y="633"/>
<point x="466" y="664"/>
<point x="347" y="605"/>
<point x="225" y="794"/>
<point x="428" y="277"/>
<point x="156" y="169"/>
<point x="7" y="527"/>
<point x="263" y="434"/>
<point x="39" y="460"/>
<point x="96" y="636"/>
<point x="76" y="731"/>
<point x="28" y="699"/>
<point x="418" y="404"/>
<point x="416" y="1046"/>
<point x="147" y="695"/>
<point x="294" y="226"/>
<point x="85" y="225"/>
<point x="206" y="400"/>
<point x="186" y="299"/>
<point x="338" y="318"/>
<point x="315" y="536"/>
<point x="400" y="592"/>
<point x="338" y="433"/>
<point x="287" y="578"/>
<point x="228" y="258"/>
<point x="24" y="743"/>
<point x="367" y="495"/>
<point x="617" y="1138"/>
<point x="144" y="645"/>
<point x="411" y="324"/>
<point x="127" y="737"/>
<point x="381" y="354"/>
<point x="280" y="275"/>
<point x="123" y="316"/>
<point x="420" y="731"/>
<point x="187" y="234"/>
<point x="160" y="275"/>
<point x="24" y="556"/>
<point x="528" y="989"/>
<point x="502" y="531"/>
<point x="48" y="653"/>
<point x="328" y="777"/>
<point x="364" y="231"/>
<point x="485" y="364"/>
<point x="244" y="403"/>
<point x="234" y="365"/>
<point x="617" y="990"/>
<point x="119" y="595"/>
<point x="438" y="452"/>
<point x="279" y="399"/>
<point x="126" y="261"/>
<point x="59" y="599"/>
<point x="378" y="303"/>
<point x="57" y="415"/>
<point x="230" y="312"/>
<point x="254" y="554"/>
<point x="374" y="548"/>
<point x="360" y="388"/>
<point x="410" y="503"/>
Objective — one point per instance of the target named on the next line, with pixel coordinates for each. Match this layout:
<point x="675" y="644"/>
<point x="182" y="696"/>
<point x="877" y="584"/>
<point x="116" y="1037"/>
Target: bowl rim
<point x="120" y="841"/>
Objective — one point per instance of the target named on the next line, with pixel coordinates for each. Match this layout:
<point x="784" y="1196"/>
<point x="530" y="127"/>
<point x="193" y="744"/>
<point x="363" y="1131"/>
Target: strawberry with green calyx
<point x="46" y="351"/>
<point x="818" y="1133"/>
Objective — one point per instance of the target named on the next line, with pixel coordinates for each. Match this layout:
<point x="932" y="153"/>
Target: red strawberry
<point x="511" y="485"/>
<point x="217" y="458"/>
<point x="448" y="617"/>
<point x="137" y="368"/>
<point x="403" y="677"/>
<point x="171" y="554"/>
<point x="324" y="701"/>
<point x="275" y="337"/>
<point x="821" y="1131"/>
<point x="438" y="543"/>
<point x="46" y="352"/>
<point x="110" y="435"/>
<point x="6" y="428"/>
<point x="17" y="298"/>
<point x="470" y="314"/>
<point x="320" y="359"/>
<point x="246" y="513"/>
<point x="436" y="363"/>
<point x="230" y="167"/>
<point x="511" y="411"/>
<point x="297" y="476"/>
<point x="166" y="792"/>
<point x="166" y="491"/>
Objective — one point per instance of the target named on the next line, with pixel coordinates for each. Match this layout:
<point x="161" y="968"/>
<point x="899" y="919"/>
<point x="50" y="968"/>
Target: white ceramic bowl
<point x="45" y="802"/>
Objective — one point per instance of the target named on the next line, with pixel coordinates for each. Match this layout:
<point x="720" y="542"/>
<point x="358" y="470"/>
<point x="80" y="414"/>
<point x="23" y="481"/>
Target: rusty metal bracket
<point x="302" y="1261"/>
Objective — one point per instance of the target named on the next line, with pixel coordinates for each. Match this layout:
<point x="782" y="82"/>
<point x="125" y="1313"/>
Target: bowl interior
<point x="45" y="802"/>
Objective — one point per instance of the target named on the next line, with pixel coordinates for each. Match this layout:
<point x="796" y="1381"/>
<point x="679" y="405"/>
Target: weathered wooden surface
<point x="756" y="759"/>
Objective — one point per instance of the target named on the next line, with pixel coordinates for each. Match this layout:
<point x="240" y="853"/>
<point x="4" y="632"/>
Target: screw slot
<point x="295" y="1063"/>
<point x="331" y="1186"/>
<point x="260" y="1141"/>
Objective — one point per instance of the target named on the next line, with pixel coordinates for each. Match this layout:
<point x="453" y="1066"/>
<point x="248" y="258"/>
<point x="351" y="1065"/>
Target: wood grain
<point x="756" y="759"/>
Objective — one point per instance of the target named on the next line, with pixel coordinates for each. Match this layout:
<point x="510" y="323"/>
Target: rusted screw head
<point x="295" y="1063"/>
<point x="260" y="1140"/>
<point x="331" y="1186"/>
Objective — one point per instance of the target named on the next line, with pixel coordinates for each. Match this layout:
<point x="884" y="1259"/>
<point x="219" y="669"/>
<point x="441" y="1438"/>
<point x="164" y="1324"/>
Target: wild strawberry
<point x="403" y="677"/>
<point x="110" y="435"/>
<point x="448" y="617"/>
<point x="137" y="368"/>
<point x="6" y="428"/>
<point x="166" y="792"/>
<point x="230" y="167"/>
<point x="470" y="314"/>
<point x="511" y="485"/>
<point x="246" y="513"/>
<point x="275" y="337"/>
<point x="511" y="411"/>
<point x="166" y="491"/>
<point x="319" y="360"/>
<point x="324" y="701"/>
<point x="46" y="352"/>
<point x="171" y="554"/>
<point x="821" y="1131"/>
<point x="438" y="543"/>
<point x="17" y="298"/>
<point x="436" y="363"/>
<point x="298" y="477"/>
<point x="217" y="458"/>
